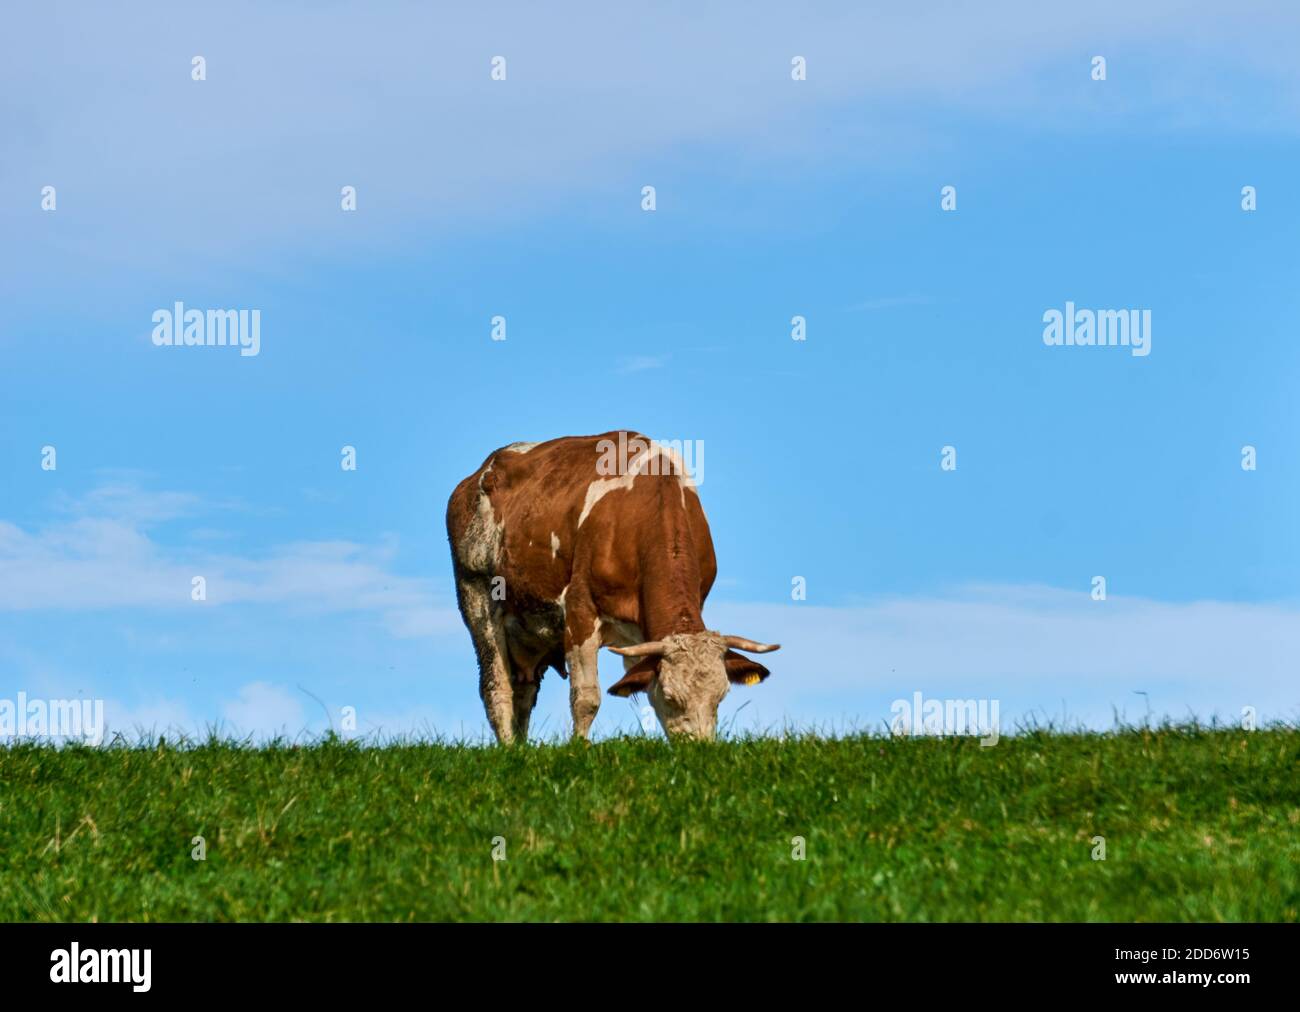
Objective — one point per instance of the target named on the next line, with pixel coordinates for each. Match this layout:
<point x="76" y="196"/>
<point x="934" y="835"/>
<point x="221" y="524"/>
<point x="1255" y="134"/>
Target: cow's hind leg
<point x="525" y="698"/>
<point x="495" y="685"/>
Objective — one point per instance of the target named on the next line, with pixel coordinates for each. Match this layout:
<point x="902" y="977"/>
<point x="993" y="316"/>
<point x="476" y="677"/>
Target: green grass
<point x="1199" y="825"/>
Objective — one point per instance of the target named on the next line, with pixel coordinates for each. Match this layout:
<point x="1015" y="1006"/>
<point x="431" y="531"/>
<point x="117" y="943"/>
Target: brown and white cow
<point x="557" y="554"/>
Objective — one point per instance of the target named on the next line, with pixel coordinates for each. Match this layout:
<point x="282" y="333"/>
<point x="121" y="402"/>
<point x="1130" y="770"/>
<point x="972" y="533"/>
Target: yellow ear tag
<point x="753" y="679"/>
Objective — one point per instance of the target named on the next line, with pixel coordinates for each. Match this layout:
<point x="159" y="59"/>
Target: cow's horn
<point x="749" y="646"/>
<point x="652" y="649"/>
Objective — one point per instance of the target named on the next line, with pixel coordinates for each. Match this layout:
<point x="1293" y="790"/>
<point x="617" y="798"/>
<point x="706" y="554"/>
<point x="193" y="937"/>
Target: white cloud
<point x="1039" y="649"/>
<point x="106" y="558"/>
<point x="126" y="501"/>
<point x="149" y="717"/>
<point x="399" y="103"/>
<point x="264" y="710"/>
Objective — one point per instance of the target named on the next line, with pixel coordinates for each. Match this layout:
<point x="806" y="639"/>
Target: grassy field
<point x="1198" y="825"/>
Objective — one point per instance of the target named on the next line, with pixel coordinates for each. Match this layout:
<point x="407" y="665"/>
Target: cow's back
<point x="534" y="509"/>
<point x="519" y="513"/>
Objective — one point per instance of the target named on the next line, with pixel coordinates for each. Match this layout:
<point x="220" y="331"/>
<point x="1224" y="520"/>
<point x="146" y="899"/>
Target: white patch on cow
<point x="519" y="447"/>
<point x="600" y="488"/>
<point x="673" y="465"/>
<point x="555" y="545"/>
<point x="676" y="466"/>
<point x="620" y="634"/>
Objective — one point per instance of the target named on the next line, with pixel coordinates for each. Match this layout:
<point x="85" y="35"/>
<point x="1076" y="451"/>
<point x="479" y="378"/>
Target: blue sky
<point x="775" y="198"/>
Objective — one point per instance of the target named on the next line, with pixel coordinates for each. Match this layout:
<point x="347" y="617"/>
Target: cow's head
<point x="687" y="674"/>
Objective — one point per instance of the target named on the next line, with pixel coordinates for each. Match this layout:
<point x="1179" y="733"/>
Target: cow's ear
<point x="636" y="678"/>
<point x="742" y="670"/>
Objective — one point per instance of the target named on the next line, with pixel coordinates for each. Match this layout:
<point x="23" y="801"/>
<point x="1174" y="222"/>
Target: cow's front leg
<point x="582" y="650"/>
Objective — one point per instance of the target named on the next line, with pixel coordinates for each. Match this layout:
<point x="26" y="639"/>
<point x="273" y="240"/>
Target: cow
<point x="565" y="546"/>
